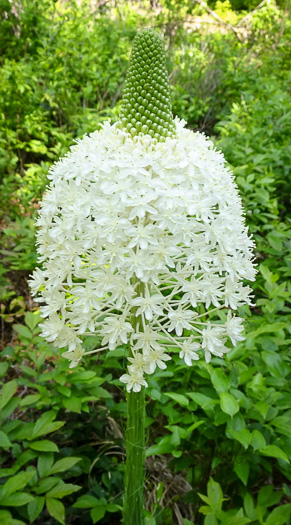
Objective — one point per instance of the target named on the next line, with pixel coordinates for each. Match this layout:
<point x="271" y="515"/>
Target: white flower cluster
<point x="141" y="242"/>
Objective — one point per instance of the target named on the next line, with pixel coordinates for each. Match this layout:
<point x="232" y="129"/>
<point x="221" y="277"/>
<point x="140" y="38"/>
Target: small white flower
<point x="115" y="330"/>
<point x="134" y="381"/>
<point x="234" y="328"/>
<point x="189" y="352"/>
<point x="74" y="356"/>
<point x="180" y="319"/>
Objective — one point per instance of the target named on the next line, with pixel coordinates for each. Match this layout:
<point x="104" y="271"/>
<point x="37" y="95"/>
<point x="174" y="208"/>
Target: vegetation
<point x="219" y="443"/>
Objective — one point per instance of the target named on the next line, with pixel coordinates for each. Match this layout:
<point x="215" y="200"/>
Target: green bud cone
<point x="146" y="104"/>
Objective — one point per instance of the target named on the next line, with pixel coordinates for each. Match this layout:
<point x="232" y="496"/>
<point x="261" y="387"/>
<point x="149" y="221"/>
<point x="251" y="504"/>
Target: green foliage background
<point x="219" y="444"/>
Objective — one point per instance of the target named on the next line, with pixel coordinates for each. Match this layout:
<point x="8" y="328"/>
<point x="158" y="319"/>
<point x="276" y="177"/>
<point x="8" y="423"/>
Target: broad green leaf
<point x="82" y="376"/>
<point x="35" y="507"/>
<point x="4" y="440"/>
<point x="30" y="399"/>
<point x="7" y="393"/>
<point x="44" y="463"/>
<point x="243" y="436"/>
<point x="56" y="509"/>
<point x="97" y="513"/>
<point x="62" y="489"/>
<point x="46" y="484"/>
<point x="17" y="499"/>
<point x="3" y="368"/>
<point x="63" y="464"/>
<point x="214" y="492"/>
<point x="242" y="469"/>
<point x="279" y="515"/>
<point x="32" y="319"/>
<point x="178" y="398"/>
<point x="23" y="331"/>
<point x="86" y="502"/>
<point x="228" y="404"/>
<point x="274" y="452"/>
<point x="16" y="482"/>
<point x="219" y="381"/>
<point x="44" y="446"/>
<point x="43" y="422"/>
<point x="73" y="404"/>
<point x="258" y="440"/>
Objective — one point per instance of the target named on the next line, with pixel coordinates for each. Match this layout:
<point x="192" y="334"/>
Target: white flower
<point x="74" y="356"/>
<point x="134" y="381"/>
<point x="189" y="352"/>
<point x="139" y="241"/>
<point x="234" y="328"/>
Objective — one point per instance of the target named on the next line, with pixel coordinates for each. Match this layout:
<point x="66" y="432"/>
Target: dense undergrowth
<point x="219" y="441"/>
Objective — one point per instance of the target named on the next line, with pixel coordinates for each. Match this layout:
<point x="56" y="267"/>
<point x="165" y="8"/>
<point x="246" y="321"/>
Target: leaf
<point x="44" y="463"/>
<point x="30" y="399"/>
<point x="23" y="331"/>
<point x="62" y="489"/>
<point x="97" y="513"/>
<point x="214" y="492"/>
<point x="17" y="499"/>
<point x="63" y="464"/>
<point x="274" y="452"/>
<point x="56" y="509"/>
<point x="34" y="508"/>
<point x="258" y="440"/>
<point x="73" y="404"/>
<point x="46" y="484"/>
<point x="242" y="469"/>
<point x="8" y="391"/>
<point x="279" y="515"/>
<point x="243" y="436"/>
<point x="178" y="398"/>
<point x="4" y="440"/>
<point x="271" y="327"/>
<point x="42" y="423"/>
<point x="16" y="482"/>
<point x="219" y="381"/>
<point x="44" y="446"/>
<point x="86" y="502"/>
<point x="82" y="376"/>
<point x="228" y="404"/>
<point x="32" y="319"/>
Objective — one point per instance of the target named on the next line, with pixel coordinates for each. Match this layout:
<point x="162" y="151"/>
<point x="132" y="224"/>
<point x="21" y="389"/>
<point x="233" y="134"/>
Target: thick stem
<point x="135" y="457"/>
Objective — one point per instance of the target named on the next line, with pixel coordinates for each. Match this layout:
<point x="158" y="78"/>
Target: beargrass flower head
<point x="141" y="236"/>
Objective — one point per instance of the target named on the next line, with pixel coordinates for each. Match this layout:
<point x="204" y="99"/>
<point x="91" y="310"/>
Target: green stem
<point x="135" y="457"/>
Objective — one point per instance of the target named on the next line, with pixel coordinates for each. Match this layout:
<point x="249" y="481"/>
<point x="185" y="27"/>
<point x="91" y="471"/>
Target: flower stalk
<point x="135" y="457"/>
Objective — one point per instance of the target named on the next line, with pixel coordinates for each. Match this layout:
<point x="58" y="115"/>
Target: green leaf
<point x="242" y="469"/>
<point x="32" y="319"/>
<point x="56" y="509"/>
<point x="44" y="446"/>
<point x="178" y="398"/>
<point x="8" y="391"/>
<point x="97" y="513"/>
<point x="214" y="493"/>
<point x="228" y="404"/>
<point x="16" y="482"/>
<point x="86" y="502"/>
<point x="46" y="484"/>
<point x="243" y="436"/>
<point x="258" y="440"/>
<point x="4" y="440"/>
<point x="62" y="489"/>
<point x="43" y="423"/>
<point x="23" y="331"/>
<point x="219" y="381"/>
<point x="44" y="463"/>
<point x="63" y="464"/>
<point x="35" y="507"/>
<point x="73" y="404"/>
<point x="274" y="452"/>
<point x="3" y="368"/>
<point x="280" y="515"/>
<point x="30" y="399"/>
<point x="17" y="499"/>
<point x="82" y="376"/>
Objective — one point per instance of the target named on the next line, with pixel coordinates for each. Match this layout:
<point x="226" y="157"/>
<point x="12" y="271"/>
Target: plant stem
<point x="135" y="457"/>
